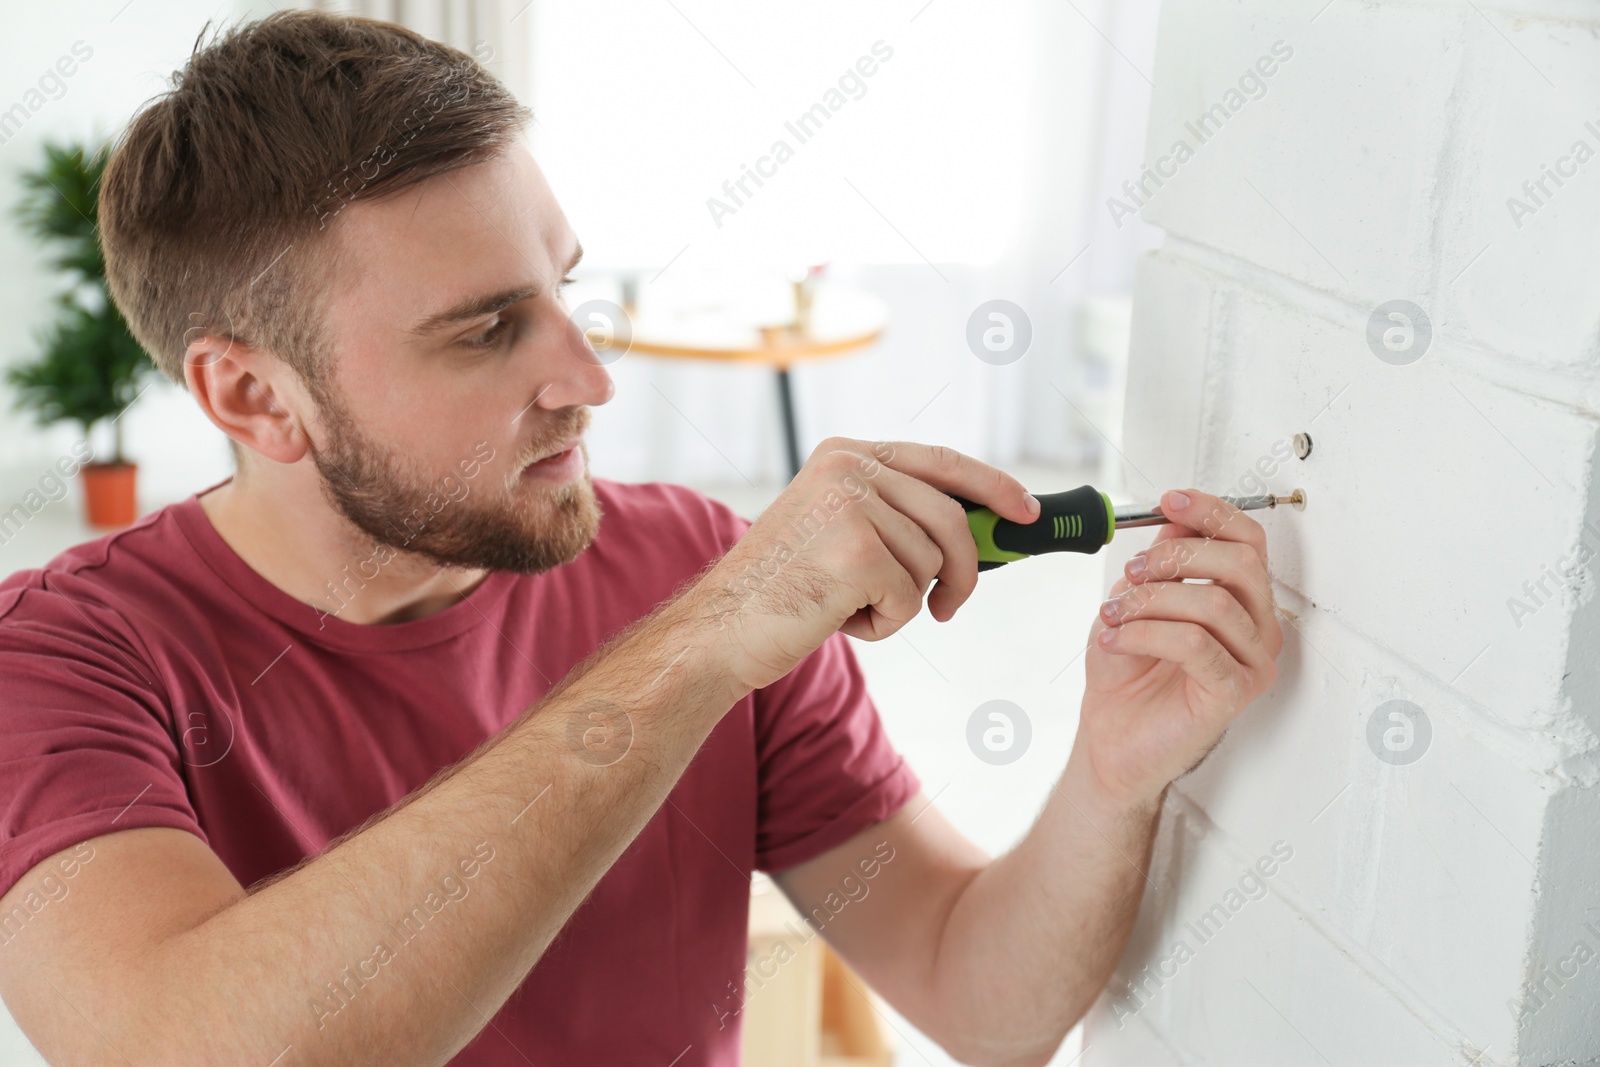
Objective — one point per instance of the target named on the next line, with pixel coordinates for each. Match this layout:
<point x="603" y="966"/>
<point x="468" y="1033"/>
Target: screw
<point x="1302" y="445"/>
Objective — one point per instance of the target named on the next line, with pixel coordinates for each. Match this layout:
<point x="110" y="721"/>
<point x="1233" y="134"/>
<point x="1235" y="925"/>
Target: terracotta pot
<point x="110" y="493"/>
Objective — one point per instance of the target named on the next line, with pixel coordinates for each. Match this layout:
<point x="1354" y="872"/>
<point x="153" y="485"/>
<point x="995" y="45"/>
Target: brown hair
<point x="215" y="204"/>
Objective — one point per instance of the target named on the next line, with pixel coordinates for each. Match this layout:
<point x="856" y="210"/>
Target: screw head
<point x="1302" y="445"/>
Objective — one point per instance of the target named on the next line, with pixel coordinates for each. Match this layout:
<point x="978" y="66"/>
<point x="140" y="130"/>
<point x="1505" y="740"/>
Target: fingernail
<point x="1033" y="505"/>
<point x="1178" y="500"/>
<point x="1107" y="636"/>
<point x="1136" y="566"/>
<point x="1111" y="609"/>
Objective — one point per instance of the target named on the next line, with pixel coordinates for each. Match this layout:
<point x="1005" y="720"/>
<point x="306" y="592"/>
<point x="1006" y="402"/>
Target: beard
<point x="456" y="520"/>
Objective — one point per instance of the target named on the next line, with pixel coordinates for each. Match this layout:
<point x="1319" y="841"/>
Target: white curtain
<point x="495" y="31"/>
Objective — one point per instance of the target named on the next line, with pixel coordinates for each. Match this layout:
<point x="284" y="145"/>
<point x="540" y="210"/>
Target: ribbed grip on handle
<point x="1078" y="520"/>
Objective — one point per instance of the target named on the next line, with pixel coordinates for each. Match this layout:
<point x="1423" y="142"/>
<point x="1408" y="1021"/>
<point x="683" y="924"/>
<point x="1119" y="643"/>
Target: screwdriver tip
<point x="1297" y="499"/>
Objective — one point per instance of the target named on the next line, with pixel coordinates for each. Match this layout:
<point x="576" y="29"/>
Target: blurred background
<point x="974" y="164"/>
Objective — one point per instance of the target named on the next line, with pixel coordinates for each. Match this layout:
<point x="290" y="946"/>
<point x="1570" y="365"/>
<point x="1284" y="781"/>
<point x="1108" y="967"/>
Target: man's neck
<point x="289" y="534"/>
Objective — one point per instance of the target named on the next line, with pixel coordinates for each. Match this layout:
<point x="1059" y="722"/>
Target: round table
<point x="841" y="319"/>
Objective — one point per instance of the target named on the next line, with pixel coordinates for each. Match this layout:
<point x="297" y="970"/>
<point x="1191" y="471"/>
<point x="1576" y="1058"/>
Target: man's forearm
<point x="536" y="817"/>
<point x="1034" y="936"/>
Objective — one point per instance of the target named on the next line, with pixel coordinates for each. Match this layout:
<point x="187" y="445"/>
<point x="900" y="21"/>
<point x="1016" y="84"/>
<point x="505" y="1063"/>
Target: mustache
<point x="564" y="425"/>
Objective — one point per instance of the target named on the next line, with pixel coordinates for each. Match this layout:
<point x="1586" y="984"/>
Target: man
<point x="411" y="743"/>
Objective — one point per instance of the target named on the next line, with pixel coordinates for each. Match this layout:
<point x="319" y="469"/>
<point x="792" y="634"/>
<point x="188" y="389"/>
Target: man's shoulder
<point x="99" y="568"/>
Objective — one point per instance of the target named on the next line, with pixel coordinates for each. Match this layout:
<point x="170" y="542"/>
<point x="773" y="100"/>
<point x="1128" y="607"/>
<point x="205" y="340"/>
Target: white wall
<point x="1432" y="886"/>
<point x="133" y="48"/>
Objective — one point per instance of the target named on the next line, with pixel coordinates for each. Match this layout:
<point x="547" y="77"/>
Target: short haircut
<point x="216" y="203"/>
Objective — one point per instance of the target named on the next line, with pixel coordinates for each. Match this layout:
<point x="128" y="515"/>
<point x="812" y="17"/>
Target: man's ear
<point x="250" y="395"/>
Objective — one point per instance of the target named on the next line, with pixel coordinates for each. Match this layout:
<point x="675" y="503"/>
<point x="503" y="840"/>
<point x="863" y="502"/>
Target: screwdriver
<point x="1078" y="520"/>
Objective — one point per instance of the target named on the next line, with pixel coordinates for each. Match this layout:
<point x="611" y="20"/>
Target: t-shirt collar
<point x="322" y="625"/>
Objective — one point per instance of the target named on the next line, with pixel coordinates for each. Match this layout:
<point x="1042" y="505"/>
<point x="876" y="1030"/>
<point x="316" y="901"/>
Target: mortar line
<point x="1472" y="715"/>
<point x="1552" y="385"/>
<point x="1412" y="1002"/>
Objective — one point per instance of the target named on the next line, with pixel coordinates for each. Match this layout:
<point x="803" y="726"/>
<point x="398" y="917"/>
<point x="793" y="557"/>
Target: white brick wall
<point x="1430" y="912"/>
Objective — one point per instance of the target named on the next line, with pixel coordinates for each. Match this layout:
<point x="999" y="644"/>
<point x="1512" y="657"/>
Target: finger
<point x="909" y="546"/>
<point x="1189" y="645"/>
<point x="1122" y="585"/>
<point x="1211" y="607"/>
<point x="955" y="472"/>
<point x="894" y="602"/>
<point x="1231" y="564"/>
<point x="896" y="560"/>
<point x="1173" y="531"/>
<point x="854" y="479"/>
<point x="944" y="521"/>
<point x="1211" y="516"/>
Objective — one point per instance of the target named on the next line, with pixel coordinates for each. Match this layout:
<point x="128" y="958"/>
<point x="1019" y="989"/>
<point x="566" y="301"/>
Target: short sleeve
<point x="827" y="767"/>
<point x="86" y="747"/>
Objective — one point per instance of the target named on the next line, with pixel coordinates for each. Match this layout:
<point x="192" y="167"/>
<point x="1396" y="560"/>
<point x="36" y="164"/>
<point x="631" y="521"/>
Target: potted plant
<point x="89" y="367"/>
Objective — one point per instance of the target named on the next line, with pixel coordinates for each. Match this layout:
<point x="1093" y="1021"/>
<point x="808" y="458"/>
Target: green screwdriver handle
<point x="1078" y="520"/>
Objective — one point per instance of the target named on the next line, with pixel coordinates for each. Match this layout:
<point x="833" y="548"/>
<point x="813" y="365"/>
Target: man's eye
<point x="490" y="337"/>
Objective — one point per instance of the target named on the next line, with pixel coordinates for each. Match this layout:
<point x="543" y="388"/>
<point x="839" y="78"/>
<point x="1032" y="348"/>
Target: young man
<point x="413" y="742"/>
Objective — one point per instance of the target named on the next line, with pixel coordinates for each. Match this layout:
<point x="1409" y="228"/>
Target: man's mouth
<point x="561" y="464"/>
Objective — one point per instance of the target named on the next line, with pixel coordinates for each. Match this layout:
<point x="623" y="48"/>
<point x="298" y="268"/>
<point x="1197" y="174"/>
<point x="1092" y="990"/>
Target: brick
<point x="1518" y="270"/>
<point x="1322" y="178"/>
<point x="1257" y="986"/>
<point x="1562" y="985"/>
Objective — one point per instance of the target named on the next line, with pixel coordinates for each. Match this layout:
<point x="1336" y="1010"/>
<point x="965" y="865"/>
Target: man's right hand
<point x="852" y="544"/>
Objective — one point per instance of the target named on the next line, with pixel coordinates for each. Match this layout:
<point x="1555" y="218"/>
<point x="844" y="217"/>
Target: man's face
<point x="452" y="409"/>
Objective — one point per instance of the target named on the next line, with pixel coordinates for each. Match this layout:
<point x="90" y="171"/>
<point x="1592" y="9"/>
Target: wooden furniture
<point x="821" y="319"/>
<point x="803" y="1006"/>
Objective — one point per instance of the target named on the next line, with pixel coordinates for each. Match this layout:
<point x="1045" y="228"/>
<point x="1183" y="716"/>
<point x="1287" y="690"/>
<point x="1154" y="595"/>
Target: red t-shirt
<point x="151" y="678"/>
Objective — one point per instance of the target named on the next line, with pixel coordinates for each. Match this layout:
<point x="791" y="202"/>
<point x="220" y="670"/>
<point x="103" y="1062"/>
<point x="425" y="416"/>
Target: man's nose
<point x="575" y="376"/>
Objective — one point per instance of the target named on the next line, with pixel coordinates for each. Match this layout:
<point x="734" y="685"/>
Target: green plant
<point x="89" y="367"/>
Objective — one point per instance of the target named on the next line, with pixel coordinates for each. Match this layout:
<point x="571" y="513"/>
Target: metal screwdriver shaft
<point x="1130" y="515"/>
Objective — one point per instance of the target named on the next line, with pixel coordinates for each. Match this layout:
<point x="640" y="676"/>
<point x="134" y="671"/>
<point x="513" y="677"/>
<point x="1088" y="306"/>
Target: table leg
<point x="786" y="403"/>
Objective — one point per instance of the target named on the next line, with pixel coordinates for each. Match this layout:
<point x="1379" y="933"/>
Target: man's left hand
<point x="1172" y="662"/>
